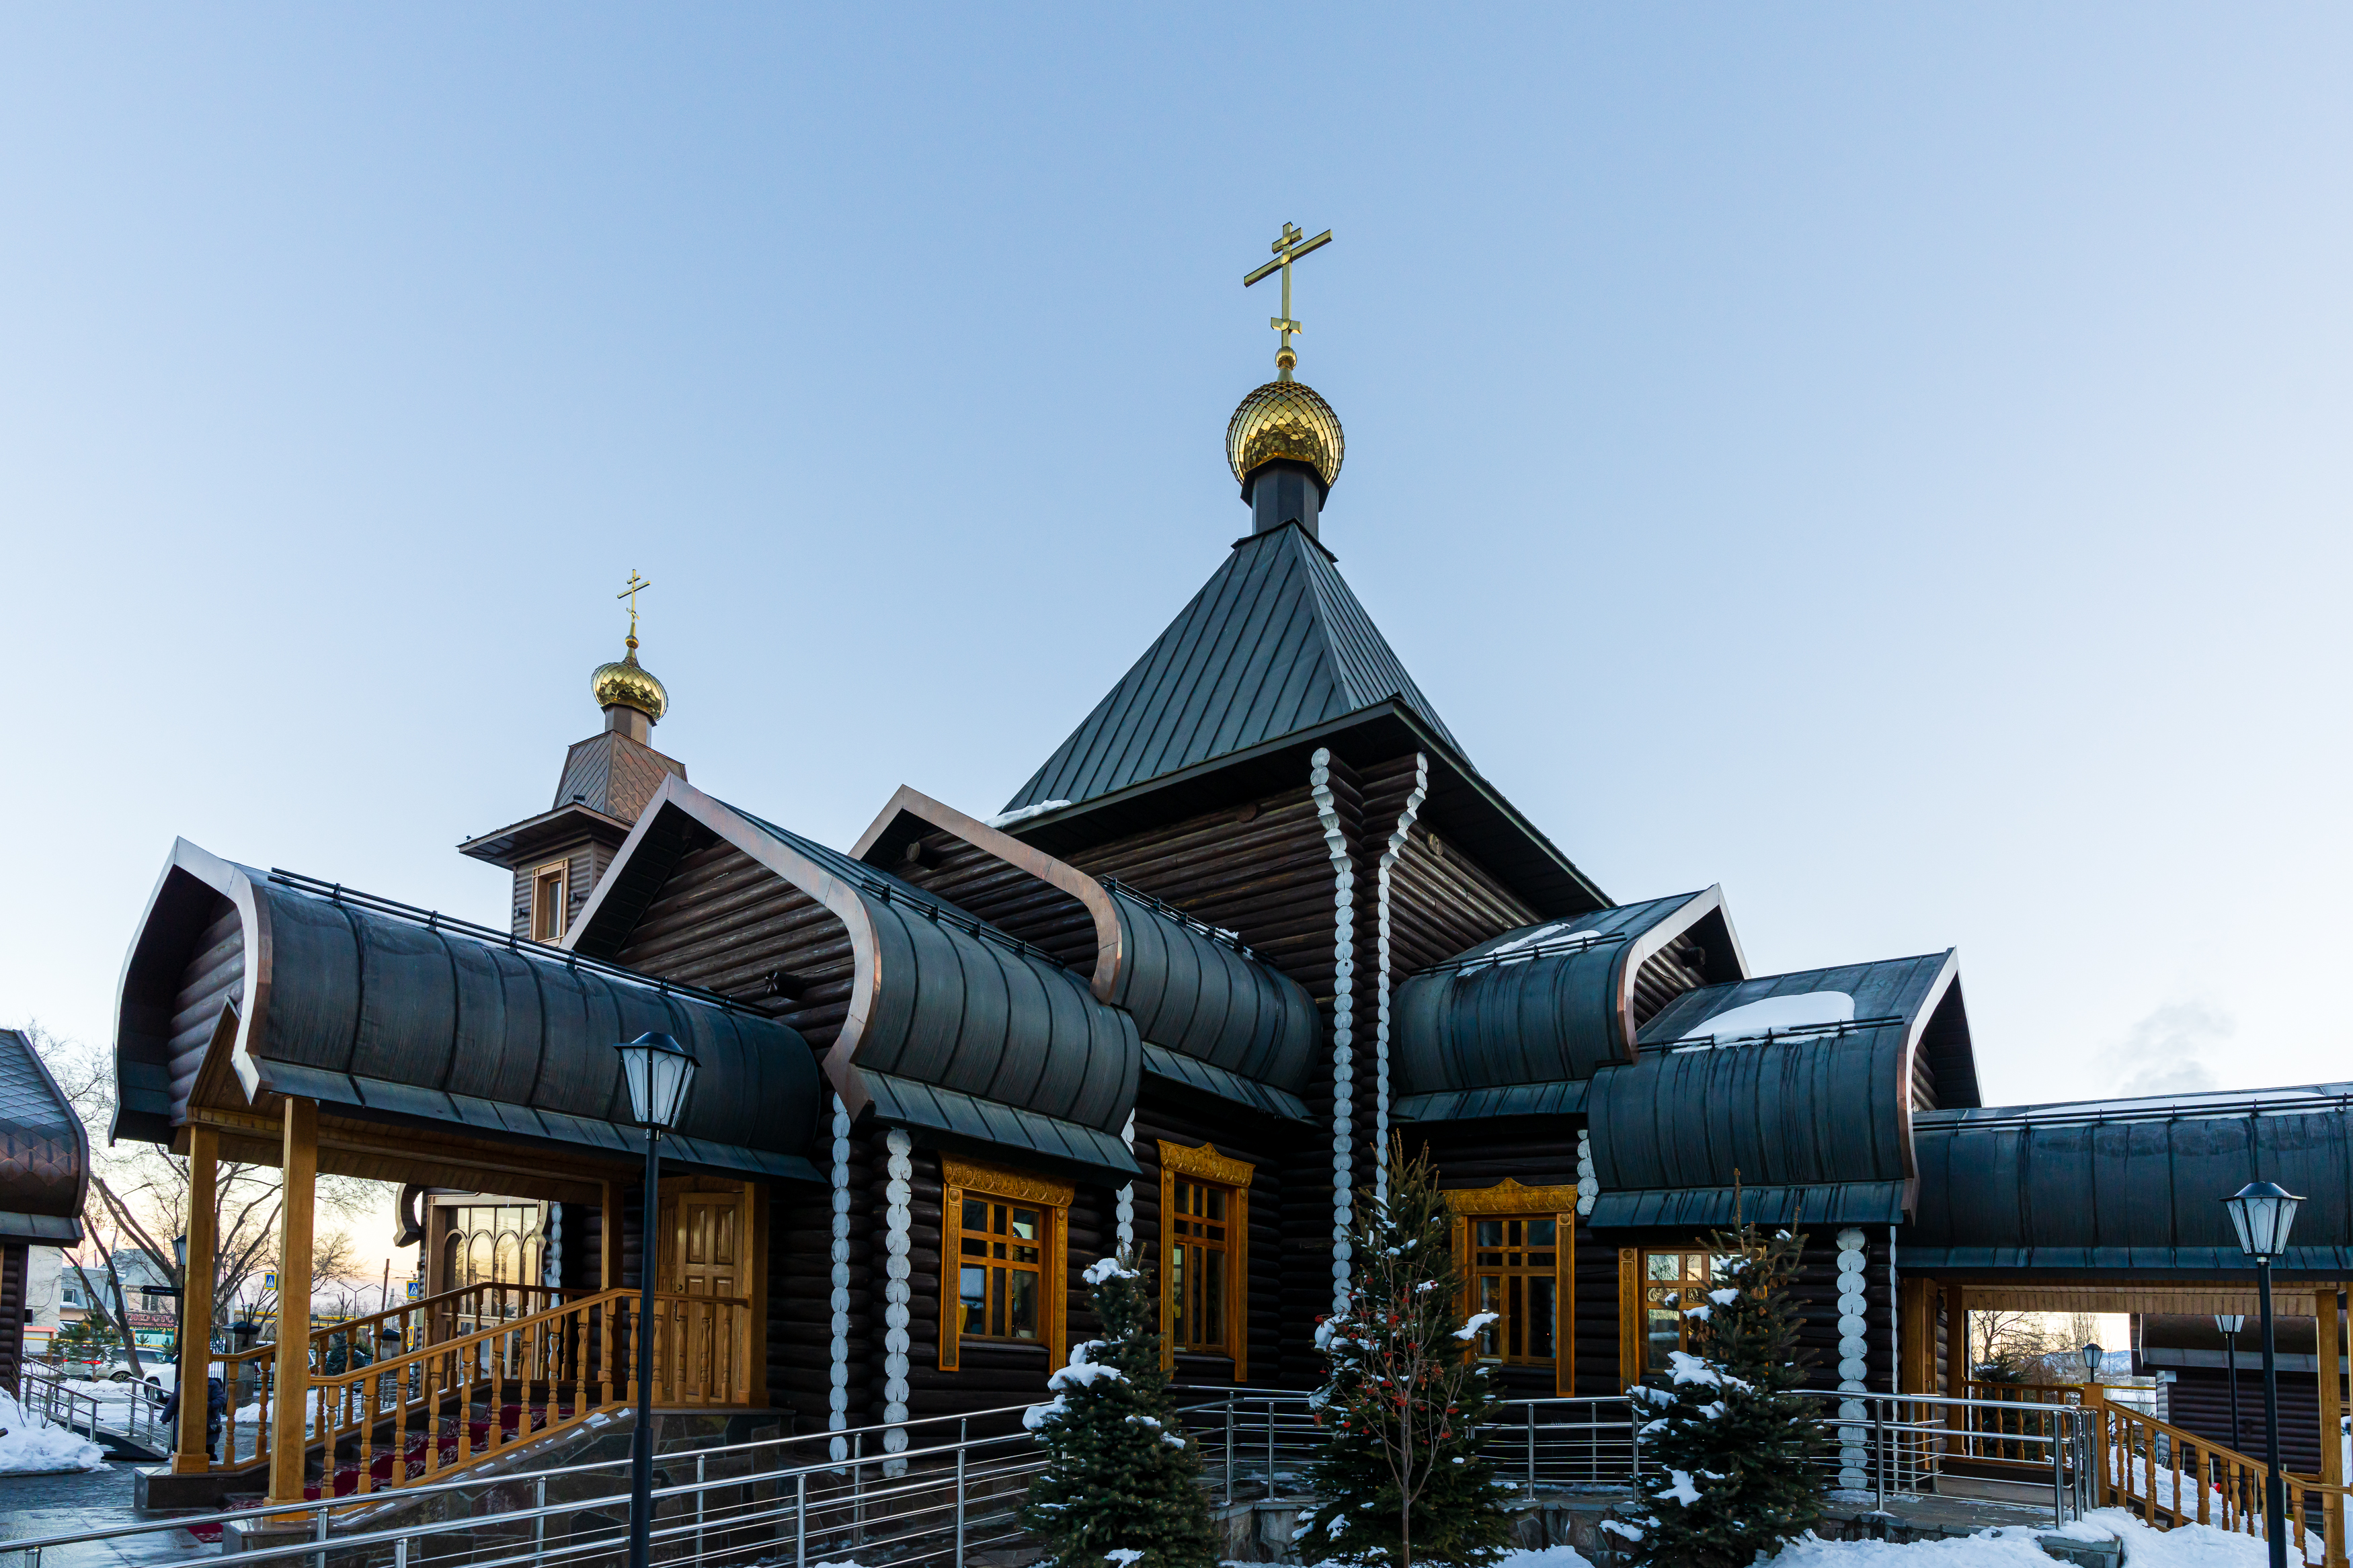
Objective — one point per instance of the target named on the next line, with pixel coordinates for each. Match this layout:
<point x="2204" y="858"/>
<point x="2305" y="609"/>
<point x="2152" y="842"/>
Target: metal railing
<point x="133" y="1409"/>
<point x="927" y="1490"/>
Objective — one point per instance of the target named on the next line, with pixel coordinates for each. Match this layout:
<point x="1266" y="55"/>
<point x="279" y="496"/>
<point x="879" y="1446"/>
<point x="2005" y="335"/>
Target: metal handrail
<point x="854" y="1494"/>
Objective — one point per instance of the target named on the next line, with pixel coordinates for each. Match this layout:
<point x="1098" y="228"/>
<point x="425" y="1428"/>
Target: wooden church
<point x="1257" y="915"/>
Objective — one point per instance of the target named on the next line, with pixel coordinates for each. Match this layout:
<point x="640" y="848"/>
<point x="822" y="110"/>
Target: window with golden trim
<point x="1205" y="1254"/>
<point x="548" y="886"/>
<point x="1005" y="1237"/>
<point x="1672" y="1279"/>
<point x="1516" y="1248"/>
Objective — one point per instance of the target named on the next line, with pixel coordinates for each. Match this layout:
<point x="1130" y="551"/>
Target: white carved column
<point x="1344" y="971"/>
<point x="897" y="1191"/>
<point x="1853" y="1364"/>
<point x="837" y="1397"/>
<point x="1395" y="847"/>
<point x="1124" y="1209"/>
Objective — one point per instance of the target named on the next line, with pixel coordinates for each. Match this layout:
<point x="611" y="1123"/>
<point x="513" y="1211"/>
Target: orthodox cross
<point x="1289" y="247"/>
<point x="630" y="592"/>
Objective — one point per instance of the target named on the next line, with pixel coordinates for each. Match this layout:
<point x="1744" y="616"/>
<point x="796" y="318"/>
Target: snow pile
<point x="32" y="1446"/>
<point x="2011" y="1546"/>
<point x="2190" y="1545"/>
<point x="1751" y="1021"/>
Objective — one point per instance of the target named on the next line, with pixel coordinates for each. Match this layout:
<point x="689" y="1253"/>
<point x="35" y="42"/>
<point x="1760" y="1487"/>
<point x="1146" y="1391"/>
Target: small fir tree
<point x="1730" y="1450"/>
<point x="1401" y="1476"/>
<point x="1122" y="1483"/>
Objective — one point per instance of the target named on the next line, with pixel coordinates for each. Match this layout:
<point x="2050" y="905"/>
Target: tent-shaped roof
<point x="1274" y="643"/>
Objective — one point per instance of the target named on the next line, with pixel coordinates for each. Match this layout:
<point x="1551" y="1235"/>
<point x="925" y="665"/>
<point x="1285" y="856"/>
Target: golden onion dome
<point x="1286" y="419"/>
<point x="626" y="683"/>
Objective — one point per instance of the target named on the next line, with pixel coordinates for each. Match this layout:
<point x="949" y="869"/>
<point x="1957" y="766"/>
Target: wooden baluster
<point x="2174" y="1450"/>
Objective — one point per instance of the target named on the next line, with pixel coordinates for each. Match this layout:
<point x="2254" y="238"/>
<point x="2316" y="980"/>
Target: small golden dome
<point x="1286" y="419"/>
<point x="626" y="683"/>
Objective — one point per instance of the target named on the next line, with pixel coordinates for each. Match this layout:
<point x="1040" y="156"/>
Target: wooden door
<point x="707" y="1260"/>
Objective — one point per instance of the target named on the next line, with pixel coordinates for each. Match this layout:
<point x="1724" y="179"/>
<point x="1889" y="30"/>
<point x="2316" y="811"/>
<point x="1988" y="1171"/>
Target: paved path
<point x="94" y="1500"/>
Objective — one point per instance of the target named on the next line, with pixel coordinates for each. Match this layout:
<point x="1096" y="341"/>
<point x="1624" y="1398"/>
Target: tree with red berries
<point x="1402" y="1475"/>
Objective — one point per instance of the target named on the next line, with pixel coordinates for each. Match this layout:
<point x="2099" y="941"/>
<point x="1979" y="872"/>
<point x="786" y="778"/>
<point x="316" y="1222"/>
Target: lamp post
<point x="659" y="1071"/>
<point x="2262" y="1212"/>
<point x="2091" y="1356"/>
<point x="2230" y="1323"/>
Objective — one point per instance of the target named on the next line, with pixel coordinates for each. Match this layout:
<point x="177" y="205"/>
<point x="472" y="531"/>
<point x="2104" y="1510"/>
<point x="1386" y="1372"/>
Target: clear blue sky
<point x="1891" y="461"/>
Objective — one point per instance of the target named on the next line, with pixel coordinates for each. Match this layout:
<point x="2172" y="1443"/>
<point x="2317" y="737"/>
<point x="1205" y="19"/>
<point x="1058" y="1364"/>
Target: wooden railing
<point x="421" y="1414"/>
<point x="461" y="1396"/>
<point x="2170" y="1476"/>
<point x="2013" y="1437"/>
<point x="702" y="1350"/>
<point x="416" y="1324"/>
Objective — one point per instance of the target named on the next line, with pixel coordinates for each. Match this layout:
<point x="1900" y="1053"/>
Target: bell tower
<point x="557" y="856"/>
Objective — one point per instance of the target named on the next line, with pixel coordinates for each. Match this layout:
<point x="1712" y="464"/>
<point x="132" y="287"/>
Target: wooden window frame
<point x="1633" y="1320"/>
<point x="958" y="1177"/>
<point x="1508" y="1199"/>
<point x="562" y="871"/>
<point x="1206" y="1164"/>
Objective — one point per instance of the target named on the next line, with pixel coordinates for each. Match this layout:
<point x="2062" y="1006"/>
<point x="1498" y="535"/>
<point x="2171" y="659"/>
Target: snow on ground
<point x="32" y="1446"/>
<point x="2005" y="1546"/>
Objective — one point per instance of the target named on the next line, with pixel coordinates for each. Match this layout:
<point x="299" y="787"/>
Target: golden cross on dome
<point x="635" y="585"/>
<point x="1289" y="247"/>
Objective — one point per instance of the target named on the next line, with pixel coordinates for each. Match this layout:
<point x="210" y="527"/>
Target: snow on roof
<point x="1755" y="1020"/>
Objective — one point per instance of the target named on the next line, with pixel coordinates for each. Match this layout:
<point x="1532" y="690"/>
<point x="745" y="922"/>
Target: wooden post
<point x="609" y="1228"/>
<point x="188" y="1451"/>
<point x="2329" y="1322"/>
<point x="289" y="1418"/>
<point x="1957" y="1359"/>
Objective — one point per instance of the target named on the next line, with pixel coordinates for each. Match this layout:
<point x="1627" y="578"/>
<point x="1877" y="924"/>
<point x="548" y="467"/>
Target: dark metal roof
<point x="2133" y="1184"/>
<point x="44" y="1151"/>
<point x="1479" y="1104"/>
<point x="1812" y="1123"/>
<point x="1168" y="1066"/>
<point x="1274" y="643"/>
<point x="372" y="1005"/>
<point x="1197" y="994"/>
<point x="1924" y="993"/>
<point x="1540" y="1005"/>
<point x="940" y="998"/>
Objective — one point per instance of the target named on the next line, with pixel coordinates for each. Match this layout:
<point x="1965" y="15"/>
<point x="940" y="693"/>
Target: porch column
<point x="2328" y="1324"/>
<point x="608" y="1225"/>
<point x="290" y="1394"/>
<point x="188" y="1453"/>
<point x="1956" y="1361"/>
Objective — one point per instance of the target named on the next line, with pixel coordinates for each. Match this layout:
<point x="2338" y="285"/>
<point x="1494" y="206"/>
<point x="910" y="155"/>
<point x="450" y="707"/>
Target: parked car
<point x="160" y="1368"/>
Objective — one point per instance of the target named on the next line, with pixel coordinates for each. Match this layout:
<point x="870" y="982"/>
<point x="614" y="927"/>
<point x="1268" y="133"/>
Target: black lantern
<point x="2262" y="1212"/>
<point x="660" y="1071"/>
<point x="2230" y="1323"/>
<point x="2091" y="1356"/>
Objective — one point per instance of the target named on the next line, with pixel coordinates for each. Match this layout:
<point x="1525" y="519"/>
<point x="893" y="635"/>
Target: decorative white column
<point x="551" y="1268"/>
<point x="1854" y="1349"/>
<point x="837" y="1399"/>
<point x="1390" y="854"/>
<point x="1344" y="971"/>
<point x="1124" y="1206"/>
<point x="1588" y="1186"/>
<point x="897" y="1216"/>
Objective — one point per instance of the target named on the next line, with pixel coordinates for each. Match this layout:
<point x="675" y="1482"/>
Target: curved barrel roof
<point x="1543" y="1005"/>
<point x="44" y="1151"/>
<point x="1810" y="1120"/>
<point x="2133" y="1184"/>
<point x="1210" y="1014"/>
<point x="954" y="1024"/>
<point x="368" y="1006"/>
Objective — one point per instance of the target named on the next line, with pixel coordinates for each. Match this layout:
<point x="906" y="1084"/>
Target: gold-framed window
<point x="549" y="886"/>
<point x="1204" y="1254"/>
<point x="1655" y="1286"/>
<point x="1515" y="1249"/>
<point x="1007" y="1240"/>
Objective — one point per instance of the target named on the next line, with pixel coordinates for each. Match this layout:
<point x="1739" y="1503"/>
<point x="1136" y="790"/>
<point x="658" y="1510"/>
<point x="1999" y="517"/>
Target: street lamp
<point x="2262" y="1212"/>
<point x="2230" y="1323"/>
<point x="659" y="1070"/>
<point x="2090" y="1355"/>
